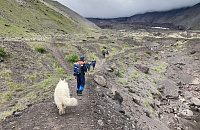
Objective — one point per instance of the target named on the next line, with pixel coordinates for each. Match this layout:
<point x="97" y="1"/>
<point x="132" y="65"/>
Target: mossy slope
<point x="22" y="18"/>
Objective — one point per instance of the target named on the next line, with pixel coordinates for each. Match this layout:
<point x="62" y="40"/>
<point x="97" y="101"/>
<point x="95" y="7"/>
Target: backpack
<point x="78" y="67"/>
<point x="103" y="52"/>
<point x="107" y="52"/>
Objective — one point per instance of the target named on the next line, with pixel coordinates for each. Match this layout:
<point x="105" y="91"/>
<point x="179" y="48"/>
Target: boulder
<point x="131" y="90"/>
<point x="100" y="80"/>
<point x="185" y="78"/>
<point x="118" y="97"/>
<point x="90" y="37"/>
<point x="103" y="37"/>
<point x="113" y="67"/>
<point x="195" y="81"/>
<point x="170" y="90"/>
<point x="137" y="100"/>
<point x="188" y="95"/>
<point x="118" y="108"/>
<point x="1" y="59"/>
<point x="193" y="52"/>
<point x="16" y="113"/>
<point x="195" y="101"/>
<point x="109" y="69"/>
<point x="186" y="113"/>
<point x="144" y="69"/>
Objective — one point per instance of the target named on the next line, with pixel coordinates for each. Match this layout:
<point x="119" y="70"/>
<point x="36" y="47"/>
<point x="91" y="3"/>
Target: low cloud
<point x="123" y="8"/>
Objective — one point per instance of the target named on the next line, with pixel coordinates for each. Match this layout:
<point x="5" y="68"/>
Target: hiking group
<point x="105" y="53"/>
<point x="80" y="68"/>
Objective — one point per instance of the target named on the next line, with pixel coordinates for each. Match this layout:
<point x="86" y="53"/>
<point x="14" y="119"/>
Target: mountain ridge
<point x="183" y="18"/>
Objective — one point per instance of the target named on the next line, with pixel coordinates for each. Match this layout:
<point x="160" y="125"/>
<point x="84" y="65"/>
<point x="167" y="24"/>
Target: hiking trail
<point x="44" y="115"/>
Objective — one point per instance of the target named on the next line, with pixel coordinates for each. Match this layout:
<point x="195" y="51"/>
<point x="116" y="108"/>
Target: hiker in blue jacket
<point x="81" y="76"/>
<point x="88" y="64"/>
<point x="93" y="63"/>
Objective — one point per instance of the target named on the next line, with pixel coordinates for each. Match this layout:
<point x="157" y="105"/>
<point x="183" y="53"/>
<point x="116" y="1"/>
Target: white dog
<point x="62" y="97"/>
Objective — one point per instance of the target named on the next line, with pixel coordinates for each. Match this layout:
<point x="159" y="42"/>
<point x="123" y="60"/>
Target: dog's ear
<point x="64" y="80"/>
<point x="60" y="80"/>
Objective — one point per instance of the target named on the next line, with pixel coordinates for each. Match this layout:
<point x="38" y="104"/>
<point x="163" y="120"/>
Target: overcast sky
<point x="122" y="8"/>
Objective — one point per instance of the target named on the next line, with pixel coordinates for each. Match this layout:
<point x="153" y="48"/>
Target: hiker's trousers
<point x="93" y="65"/>
<point x="80" y="81"/>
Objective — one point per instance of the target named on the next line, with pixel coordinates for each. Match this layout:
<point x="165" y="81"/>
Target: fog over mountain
<point x="123" y="8"/>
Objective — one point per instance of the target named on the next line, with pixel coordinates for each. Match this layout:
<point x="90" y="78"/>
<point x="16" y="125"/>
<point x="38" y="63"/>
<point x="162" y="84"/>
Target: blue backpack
<point x="78" y="67"/>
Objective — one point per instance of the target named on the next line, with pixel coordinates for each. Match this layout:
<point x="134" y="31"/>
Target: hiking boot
<point x="79" y="93"/>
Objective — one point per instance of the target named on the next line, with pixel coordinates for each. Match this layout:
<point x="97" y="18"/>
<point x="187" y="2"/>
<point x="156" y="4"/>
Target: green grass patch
<point x="5" y="97"/>
<point x="113" y="49"/>
<point x="6" y="113"/>
<point x="132" y="86"/>
<point x="146" y="103"/>
<point x="33" y="77"/>
<point x="40" y="49"/>
<point x="6" y="74"/>
<point x="148" y="52"/>
<point x="158" y="93"/>
<point x="60" y="71"/>
<point x="135" y="72"/>
<point x="120" y="82"/>
<point x="154" y="81"/>
<point x="72" y="58"/>
<point x="120" y="75"/>
<point x="92" y="55"/>
<point x="70" y="77"/>
<point x="3" y="53"/>
<point x="128" y="47"/>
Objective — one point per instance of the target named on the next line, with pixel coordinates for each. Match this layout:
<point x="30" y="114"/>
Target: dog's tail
<point x="70" y="101"/>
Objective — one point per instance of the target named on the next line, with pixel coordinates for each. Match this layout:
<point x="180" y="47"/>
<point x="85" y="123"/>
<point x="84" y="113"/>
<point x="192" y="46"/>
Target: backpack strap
<point x="81" y="62"/>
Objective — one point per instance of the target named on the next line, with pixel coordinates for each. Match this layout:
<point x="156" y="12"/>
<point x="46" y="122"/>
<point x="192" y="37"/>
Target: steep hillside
<point x="25" y="18"/>
<point x="75" y="17"/>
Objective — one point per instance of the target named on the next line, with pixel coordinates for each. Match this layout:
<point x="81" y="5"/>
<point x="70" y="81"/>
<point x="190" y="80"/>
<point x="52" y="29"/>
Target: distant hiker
<point x="88" y="64"/>
<point x="103" y="52"/>
<point x="93" y="63"/>
<point x="107" y="53"/>
<point x="79" y="71"/>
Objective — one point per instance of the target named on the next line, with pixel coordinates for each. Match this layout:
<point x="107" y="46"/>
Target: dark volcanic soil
<point x="149" y="82"/>
<point x="92" y="111"/>
<point x="85" y="116"/>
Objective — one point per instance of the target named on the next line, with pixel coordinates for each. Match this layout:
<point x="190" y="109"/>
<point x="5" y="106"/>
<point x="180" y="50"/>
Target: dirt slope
<point x="88" y="115"/>
<point x="150" y="81"/>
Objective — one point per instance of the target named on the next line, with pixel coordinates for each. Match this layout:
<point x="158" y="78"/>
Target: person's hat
<point x="82" y="57"/>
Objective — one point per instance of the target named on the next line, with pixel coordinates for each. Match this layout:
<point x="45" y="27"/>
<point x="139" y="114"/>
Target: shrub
<point x="154" y="81"/>
<point x="146" y="103"/>
<point x="40" y="49"/>
<point x="120" y="82"/>
<point x="120" y="75"/>
<point x="7" y="25"/>
<point x="114" y="49"/>
<point x="148" y="52"/>
<point x="3" y="53"/>
<point x="66" y="53"/>
<point x="5" y="97"/>
<point x="72" y="58"/>
<point x="60" y="71"/>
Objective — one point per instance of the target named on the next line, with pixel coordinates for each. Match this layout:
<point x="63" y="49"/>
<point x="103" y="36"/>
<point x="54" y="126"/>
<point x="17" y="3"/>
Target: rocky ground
<point x="150" y="81"/>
